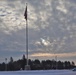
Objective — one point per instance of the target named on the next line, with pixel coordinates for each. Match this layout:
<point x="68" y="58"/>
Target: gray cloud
<point x="51" y="26"/>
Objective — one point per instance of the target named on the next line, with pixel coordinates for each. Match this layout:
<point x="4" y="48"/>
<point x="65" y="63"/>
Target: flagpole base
<point x="27" y="67"/>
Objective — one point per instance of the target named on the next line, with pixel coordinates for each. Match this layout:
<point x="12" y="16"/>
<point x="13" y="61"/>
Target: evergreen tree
<point x="11" y="66"/>
<point x="23" y="62"/>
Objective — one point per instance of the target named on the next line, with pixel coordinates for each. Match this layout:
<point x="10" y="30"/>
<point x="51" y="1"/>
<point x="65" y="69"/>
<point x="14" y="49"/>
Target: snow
<point x="41" y="72"/>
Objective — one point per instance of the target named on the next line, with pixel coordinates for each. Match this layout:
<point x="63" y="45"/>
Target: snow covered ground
<point x="42" y="72"/>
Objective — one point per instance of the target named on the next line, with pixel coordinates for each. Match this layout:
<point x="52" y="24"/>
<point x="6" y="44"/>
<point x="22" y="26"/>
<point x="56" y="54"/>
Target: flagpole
<point x="27" y="66"/>
<point x="27" y="41"/>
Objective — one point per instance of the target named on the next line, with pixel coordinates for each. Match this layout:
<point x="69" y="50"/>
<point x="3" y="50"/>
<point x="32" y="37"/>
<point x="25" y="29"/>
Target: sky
<point x="51" y="29"/>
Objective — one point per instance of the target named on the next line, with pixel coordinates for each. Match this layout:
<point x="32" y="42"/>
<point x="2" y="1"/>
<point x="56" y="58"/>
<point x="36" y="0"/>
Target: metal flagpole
<point x="27" y="67"/>
<point x="27" y="40"/>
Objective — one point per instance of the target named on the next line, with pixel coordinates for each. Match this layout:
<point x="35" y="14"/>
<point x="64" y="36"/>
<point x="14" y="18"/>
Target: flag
<point x="25" y="14"/>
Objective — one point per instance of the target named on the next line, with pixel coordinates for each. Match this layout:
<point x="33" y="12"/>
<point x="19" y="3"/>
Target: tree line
<point x="35" y="64"/>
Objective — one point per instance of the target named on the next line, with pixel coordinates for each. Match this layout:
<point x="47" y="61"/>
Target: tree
<point x="36" y="64"/>
<point x="43" y="63"/>
<point x="60" y="65"/>
<point x="11" y="60"/>
<point x="66" y="65"/>
<point x="2" y="67"/>
<point x="48" y="64"/>
<point x="36" y="61"/>
<point x="72" y="64"/>
<point x="23" y="62"/>
<point x="10" y="64"/>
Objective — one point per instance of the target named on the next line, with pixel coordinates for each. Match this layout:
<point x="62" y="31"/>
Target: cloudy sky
<point x="52" y="29"/>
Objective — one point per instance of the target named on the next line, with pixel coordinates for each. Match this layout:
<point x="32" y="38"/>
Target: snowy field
<point x="45" y="72"/>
